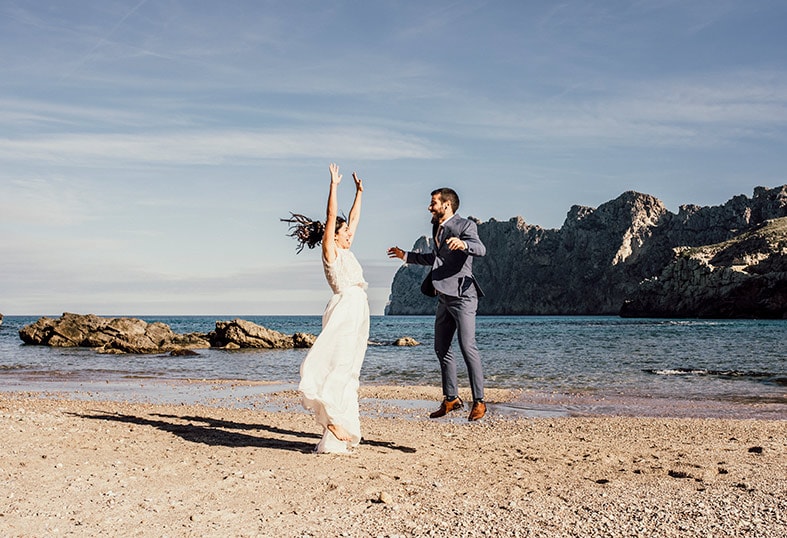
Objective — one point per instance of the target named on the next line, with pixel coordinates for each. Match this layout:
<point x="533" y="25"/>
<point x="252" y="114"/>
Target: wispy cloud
<point x="26" y="115"/>
<point x="43" y="202"/>
<point x="103" y="39"/>
<point x="188" y="148"/>
<point x="702" y="112"/>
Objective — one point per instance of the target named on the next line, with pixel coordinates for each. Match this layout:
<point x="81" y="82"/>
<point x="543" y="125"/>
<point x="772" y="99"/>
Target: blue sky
<point x="149" y="148"/>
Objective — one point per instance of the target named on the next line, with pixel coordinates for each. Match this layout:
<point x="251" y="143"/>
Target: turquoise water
<point x="607" y="359"/>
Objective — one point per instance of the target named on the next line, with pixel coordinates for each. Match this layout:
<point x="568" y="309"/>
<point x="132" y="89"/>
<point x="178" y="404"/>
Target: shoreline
<point x="574" y="366"/>
<point x="410" y="401"/>
<point x="93" y="467"/>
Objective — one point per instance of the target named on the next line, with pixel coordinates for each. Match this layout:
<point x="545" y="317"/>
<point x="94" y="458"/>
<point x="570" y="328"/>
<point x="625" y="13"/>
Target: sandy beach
<point x="89" y="467"/>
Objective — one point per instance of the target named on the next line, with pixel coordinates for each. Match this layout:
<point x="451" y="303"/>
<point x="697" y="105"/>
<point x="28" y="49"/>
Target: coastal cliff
<point x="604" y="258"/>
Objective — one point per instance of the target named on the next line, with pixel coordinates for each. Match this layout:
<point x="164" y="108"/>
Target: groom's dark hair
<point x="448" y="195"/>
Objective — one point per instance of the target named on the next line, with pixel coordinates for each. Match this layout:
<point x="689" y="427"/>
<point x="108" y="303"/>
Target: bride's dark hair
<point x="308" y="232"/>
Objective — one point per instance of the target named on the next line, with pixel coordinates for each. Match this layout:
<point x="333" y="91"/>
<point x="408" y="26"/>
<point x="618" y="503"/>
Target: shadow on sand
<point x="216" y="432"/>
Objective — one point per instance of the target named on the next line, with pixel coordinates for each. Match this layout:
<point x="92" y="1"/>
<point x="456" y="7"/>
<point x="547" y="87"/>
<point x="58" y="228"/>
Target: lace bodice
<point x="345" y="271"/>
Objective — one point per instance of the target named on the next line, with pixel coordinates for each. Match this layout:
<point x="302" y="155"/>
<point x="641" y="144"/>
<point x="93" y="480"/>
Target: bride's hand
<point x="358" y="183"/>
<point x="336" y="177"/>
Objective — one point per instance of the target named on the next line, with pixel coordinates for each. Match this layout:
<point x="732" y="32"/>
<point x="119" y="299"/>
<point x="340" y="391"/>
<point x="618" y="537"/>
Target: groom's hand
<point x="454" y="243"/>
<point x="396" y="252"/>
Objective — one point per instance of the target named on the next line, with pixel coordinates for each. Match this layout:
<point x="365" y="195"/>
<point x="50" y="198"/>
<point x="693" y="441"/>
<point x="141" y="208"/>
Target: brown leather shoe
<point x="446" y="406"/>
<point x="478" y="411"/>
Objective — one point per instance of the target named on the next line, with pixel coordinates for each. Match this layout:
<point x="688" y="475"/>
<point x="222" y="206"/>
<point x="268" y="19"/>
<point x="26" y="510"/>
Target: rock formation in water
<point x="108" y="335"/>
<point x="240" y="333"/>
<point x="603" y="257"/>
<point x="131" y="335"/>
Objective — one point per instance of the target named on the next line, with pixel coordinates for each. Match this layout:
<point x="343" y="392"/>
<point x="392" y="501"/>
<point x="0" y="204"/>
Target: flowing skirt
<point x="331" y="370"/>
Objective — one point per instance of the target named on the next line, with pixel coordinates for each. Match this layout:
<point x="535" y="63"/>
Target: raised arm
<point x="355" y="210"/>
<point x="328" y="236"/>
<point x="417" y="258"/>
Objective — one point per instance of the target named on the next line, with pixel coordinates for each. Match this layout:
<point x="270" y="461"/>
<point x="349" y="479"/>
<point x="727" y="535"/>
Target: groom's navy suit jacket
<point x="452" y="270"/>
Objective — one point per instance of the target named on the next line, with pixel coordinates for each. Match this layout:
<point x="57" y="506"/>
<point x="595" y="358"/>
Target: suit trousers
<point x="456" y="315"/>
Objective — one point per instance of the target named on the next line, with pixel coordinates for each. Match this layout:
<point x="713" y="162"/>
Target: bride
<point x="331" y="370"/>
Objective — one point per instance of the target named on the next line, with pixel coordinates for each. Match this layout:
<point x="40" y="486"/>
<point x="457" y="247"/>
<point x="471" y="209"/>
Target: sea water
<point x="647" y="366"/>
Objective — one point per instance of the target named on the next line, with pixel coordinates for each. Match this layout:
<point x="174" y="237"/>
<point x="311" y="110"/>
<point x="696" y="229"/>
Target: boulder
<point x="406" y="341"/>
<point x="183" y="353"/>
<point x="303" y="340"/>
<point x="245" y="334"/>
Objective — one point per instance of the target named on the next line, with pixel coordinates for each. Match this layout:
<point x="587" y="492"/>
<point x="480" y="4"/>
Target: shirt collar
<point x="448" y="219"/>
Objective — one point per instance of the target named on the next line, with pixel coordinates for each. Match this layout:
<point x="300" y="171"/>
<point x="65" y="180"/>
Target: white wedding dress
<point x="331" y="369"/>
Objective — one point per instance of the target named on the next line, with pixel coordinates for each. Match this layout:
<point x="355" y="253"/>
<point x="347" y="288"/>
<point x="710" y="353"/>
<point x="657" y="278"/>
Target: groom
<point x="456" y="242"/>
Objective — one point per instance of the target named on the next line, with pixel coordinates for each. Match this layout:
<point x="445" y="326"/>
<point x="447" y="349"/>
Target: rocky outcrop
<point x="1" y="319"/>
<point x="240" y="333"/>
<point x="743" y="277"/>
<point x="131" y="335"/>
<point x="595" y="261"/>
<point x="406" y="341"/>
<point x="108" y="335"/>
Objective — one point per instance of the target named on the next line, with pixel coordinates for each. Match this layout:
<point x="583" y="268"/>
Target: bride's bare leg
<point x="339" y="432"/>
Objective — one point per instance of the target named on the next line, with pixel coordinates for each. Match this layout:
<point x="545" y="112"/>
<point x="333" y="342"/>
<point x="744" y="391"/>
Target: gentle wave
<point x="700" y="371"/>
<point x="766" y="377"/>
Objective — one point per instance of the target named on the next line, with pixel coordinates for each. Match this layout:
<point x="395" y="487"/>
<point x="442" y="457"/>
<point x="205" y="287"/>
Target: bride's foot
<point x="339" y="432"/>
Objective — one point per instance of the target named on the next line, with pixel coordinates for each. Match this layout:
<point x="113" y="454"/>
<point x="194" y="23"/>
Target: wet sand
<point x="240" y="464"/>
<point x="418" y="401"/>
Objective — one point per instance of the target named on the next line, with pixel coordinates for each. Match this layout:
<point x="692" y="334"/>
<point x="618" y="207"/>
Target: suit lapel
<point x="446" y="232"/>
